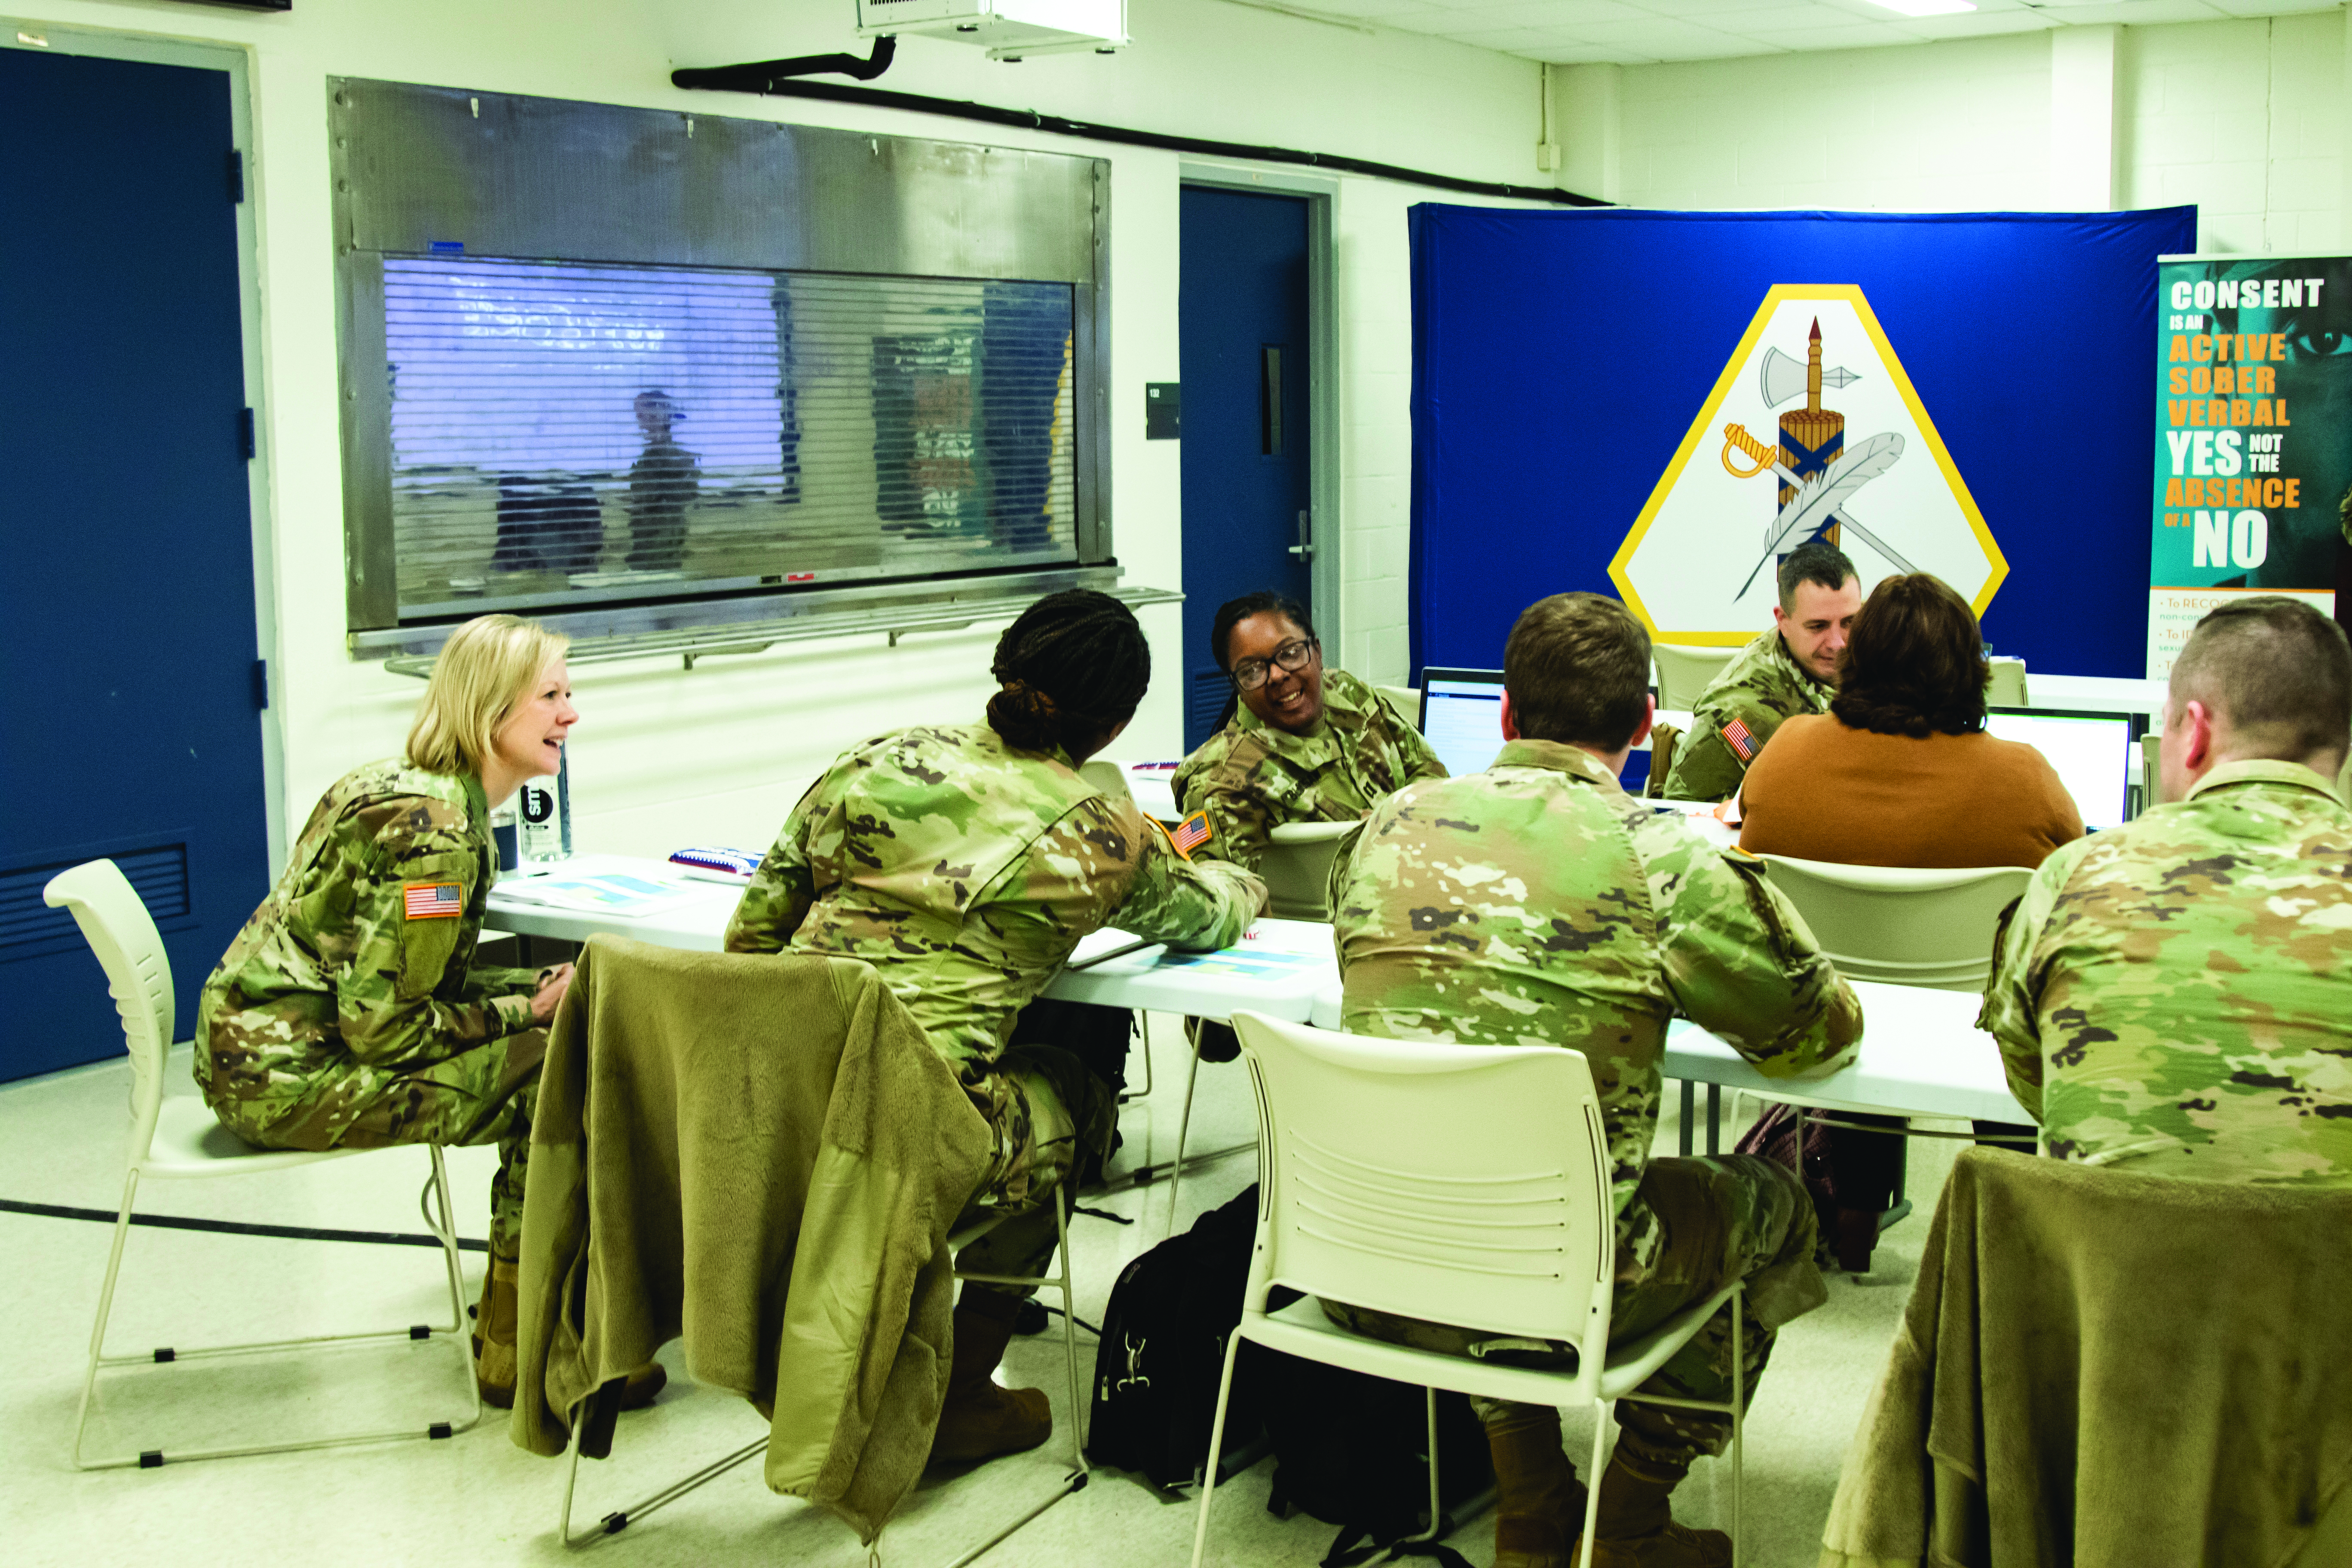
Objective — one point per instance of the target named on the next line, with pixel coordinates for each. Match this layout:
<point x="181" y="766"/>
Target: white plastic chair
<point x="2007" y="688"/>
<point x="1076" y="1480"/>
<point x="1405" y="699"/>
<point x="1297" y="873"/>
<point x="1930" y="928"/>
<point x="1458" y="1184"/>
<point x="1297" y="868"/>
<point x="1683" y="671"/>
<point x="177" y="1138"/>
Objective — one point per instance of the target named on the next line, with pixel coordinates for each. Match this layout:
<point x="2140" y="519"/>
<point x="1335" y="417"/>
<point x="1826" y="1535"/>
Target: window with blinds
<point x="569" y="433"/>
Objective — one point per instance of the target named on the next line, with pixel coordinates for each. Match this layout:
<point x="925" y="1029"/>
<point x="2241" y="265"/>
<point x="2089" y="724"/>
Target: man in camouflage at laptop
<point x="2175" y="997"/>
<point x="1787" y="670"/>
<point x="1537" y="904"/>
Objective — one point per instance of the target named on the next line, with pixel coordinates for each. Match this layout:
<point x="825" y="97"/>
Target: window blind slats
<point x="559" y="429"/>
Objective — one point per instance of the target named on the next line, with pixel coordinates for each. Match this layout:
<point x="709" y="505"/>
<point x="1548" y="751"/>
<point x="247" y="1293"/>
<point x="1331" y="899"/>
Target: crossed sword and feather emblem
<point x="1816" y="501"/>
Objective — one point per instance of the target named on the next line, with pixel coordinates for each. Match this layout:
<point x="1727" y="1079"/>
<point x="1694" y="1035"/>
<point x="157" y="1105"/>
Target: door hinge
<point x="235" y="175"/>
<point x="261" y="683"/>
<point x="245" y="434"/>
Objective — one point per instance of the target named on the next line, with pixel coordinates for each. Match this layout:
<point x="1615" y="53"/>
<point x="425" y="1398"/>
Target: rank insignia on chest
<point x="434" y="900"/>
<point x="1735" y="735"/>
<point x="1191" y="833"/>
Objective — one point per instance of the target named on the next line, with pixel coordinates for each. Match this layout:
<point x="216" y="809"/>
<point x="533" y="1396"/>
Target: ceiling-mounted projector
<point x="1009" y="29"/>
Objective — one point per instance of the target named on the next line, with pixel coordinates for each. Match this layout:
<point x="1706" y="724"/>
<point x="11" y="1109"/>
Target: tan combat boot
<point x="494" y="1345"/>
<point x="1538" y="1502"/>
<point x="1636" y="1529"/>
<point x="982" y="1420"/>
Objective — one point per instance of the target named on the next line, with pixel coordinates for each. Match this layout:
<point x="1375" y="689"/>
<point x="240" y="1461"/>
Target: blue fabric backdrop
<point x="1558" y="357"/>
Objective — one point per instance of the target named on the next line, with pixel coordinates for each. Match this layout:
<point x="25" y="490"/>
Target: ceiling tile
<point x="1852" y="35"/>
<point x="1561" y="13"/>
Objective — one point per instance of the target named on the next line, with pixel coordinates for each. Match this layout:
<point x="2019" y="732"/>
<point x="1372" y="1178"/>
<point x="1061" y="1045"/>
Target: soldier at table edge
<point x="2174" y="996"/>
<point x="965" y="863"/>
<point x="1537" y="904"/>
<point x="1789" y="669"/>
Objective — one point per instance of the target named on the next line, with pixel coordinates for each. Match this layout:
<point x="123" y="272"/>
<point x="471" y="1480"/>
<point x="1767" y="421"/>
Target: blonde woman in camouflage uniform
<point x="350" y="1014"/>
<point x="965" y="862"/>
<point x="2174" y="997"/>
<point x="1537" y="904"/>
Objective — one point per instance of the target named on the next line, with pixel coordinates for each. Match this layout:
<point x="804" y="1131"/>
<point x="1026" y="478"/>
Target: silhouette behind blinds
<point x="570" y="434"/>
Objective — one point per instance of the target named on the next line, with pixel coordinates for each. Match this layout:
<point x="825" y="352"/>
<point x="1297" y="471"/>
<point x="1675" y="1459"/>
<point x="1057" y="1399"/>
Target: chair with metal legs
<point x="1459" y="1184"/>
<point x="177" y="1138"/>
<point x="1076" y="1480"/>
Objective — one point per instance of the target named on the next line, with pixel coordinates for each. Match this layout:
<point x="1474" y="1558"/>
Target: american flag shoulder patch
<point x="1191" y="833"/>
<point x="434" y="900"/>
<point x="1737" y="735"/>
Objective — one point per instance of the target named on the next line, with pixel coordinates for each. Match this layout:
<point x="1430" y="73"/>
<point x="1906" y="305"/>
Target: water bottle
<point x="544" y="806"/>
<point x="503" y="835"/>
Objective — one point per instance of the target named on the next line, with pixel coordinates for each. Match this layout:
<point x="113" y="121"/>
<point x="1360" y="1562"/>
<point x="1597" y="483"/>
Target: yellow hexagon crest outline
<point x="1706" y="423"/>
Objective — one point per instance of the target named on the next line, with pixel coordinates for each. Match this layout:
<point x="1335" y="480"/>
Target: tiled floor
<point x="479" y="1499"/>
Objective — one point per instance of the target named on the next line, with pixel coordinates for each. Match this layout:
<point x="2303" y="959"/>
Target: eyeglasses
<point x="1293" y="656"/>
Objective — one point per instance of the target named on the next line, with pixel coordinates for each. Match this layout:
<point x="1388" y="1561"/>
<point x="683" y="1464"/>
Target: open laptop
<point x="2091" y="752"/>
<point x="1461" y="717"/>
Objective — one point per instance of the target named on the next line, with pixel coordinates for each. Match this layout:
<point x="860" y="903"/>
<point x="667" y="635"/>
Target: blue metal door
<point x="128" y="676"/>
<point x="1241" y="331"/>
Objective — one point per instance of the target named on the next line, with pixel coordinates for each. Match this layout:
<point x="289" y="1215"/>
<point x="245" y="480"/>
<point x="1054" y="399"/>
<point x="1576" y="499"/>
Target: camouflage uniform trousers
<point x="1053" y="1110"/>
<point x="1722" y="1218"/>
<point x="481" y="1096"/>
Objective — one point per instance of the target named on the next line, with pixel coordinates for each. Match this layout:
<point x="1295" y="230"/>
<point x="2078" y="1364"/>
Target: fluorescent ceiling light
<point x="1926" y="7"/>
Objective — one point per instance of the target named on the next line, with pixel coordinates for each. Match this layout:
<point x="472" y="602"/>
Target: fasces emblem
<point x="1813" y="431"/>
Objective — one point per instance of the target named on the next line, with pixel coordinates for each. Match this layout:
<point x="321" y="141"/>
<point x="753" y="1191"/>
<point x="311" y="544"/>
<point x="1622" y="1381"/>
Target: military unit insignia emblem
<point x="1847" y="454"/>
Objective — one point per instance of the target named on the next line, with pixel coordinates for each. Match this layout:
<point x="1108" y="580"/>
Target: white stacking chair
<point x="177" y="1138"/>
<point x="1683" y="671"/>
<point x="1458" y="1184"/>
<point x="2007" y="688"/>
<point x="613" y="1524"/>
<point x="1909" y="927"/>
<point x="1405" y="699"/>
<point x="1298" y="872"/>
<point x="1297" y="868"/>
<point x="1111" y="779"/>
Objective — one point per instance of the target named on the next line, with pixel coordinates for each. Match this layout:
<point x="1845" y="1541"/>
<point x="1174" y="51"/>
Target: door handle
<point x="1305" y="548"/>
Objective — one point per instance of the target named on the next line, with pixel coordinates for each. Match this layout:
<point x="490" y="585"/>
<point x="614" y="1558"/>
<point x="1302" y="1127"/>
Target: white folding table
<point x="1922" y="1055"/>
<point x="1276" y="969"/>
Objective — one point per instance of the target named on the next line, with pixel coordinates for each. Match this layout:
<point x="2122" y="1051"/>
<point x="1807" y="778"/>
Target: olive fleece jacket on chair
<point x="764" y="1154"/>
<point x="2103" y="1370"/>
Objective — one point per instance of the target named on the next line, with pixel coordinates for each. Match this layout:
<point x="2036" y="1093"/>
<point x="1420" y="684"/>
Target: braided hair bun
<point x="1072" y="667"/>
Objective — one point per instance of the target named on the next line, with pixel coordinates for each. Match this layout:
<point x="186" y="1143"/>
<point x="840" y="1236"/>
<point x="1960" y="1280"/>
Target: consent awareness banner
<point x="2253" y="388"/>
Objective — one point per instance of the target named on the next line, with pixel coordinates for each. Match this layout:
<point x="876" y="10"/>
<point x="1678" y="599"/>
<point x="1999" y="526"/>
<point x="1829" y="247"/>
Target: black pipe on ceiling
<point x="763" y="75"/>
<point x="768" y="81"/>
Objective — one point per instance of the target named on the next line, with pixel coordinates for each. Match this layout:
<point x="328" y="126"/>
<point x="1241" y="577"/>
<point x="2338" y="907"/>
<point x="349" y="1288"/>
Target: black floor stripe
<point x="238" y="1227"/>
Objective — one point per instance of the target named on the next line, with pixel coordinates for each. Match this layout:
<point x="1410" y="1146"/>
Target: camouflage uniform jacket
<point x="1756" y="690"/>
<point x="2178" y="993"/>
<point x="351" y="967"/>
<point x="1251" y="777"/>
<point x="1539" y="904"/>
<point x="965" y="871"/>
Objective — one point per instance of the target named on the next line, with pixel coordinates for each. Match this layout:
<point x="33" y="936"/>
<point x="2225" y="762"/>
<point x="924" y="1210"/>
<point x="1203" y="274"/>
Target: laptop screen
<point x="1461" y="717"/>
<point x="2090" y="751"/>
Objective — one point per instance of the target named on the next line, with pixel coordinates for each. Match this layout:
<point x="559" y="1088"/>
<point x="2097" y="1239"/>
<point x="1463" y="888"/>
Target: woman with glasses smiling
<point x="1301" y="744"/>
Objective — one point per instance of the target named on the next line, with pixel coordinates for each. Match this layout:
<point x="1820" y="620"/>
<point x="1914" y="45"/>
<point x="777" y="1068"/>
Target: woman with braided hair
<point x="965" y="862"/>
